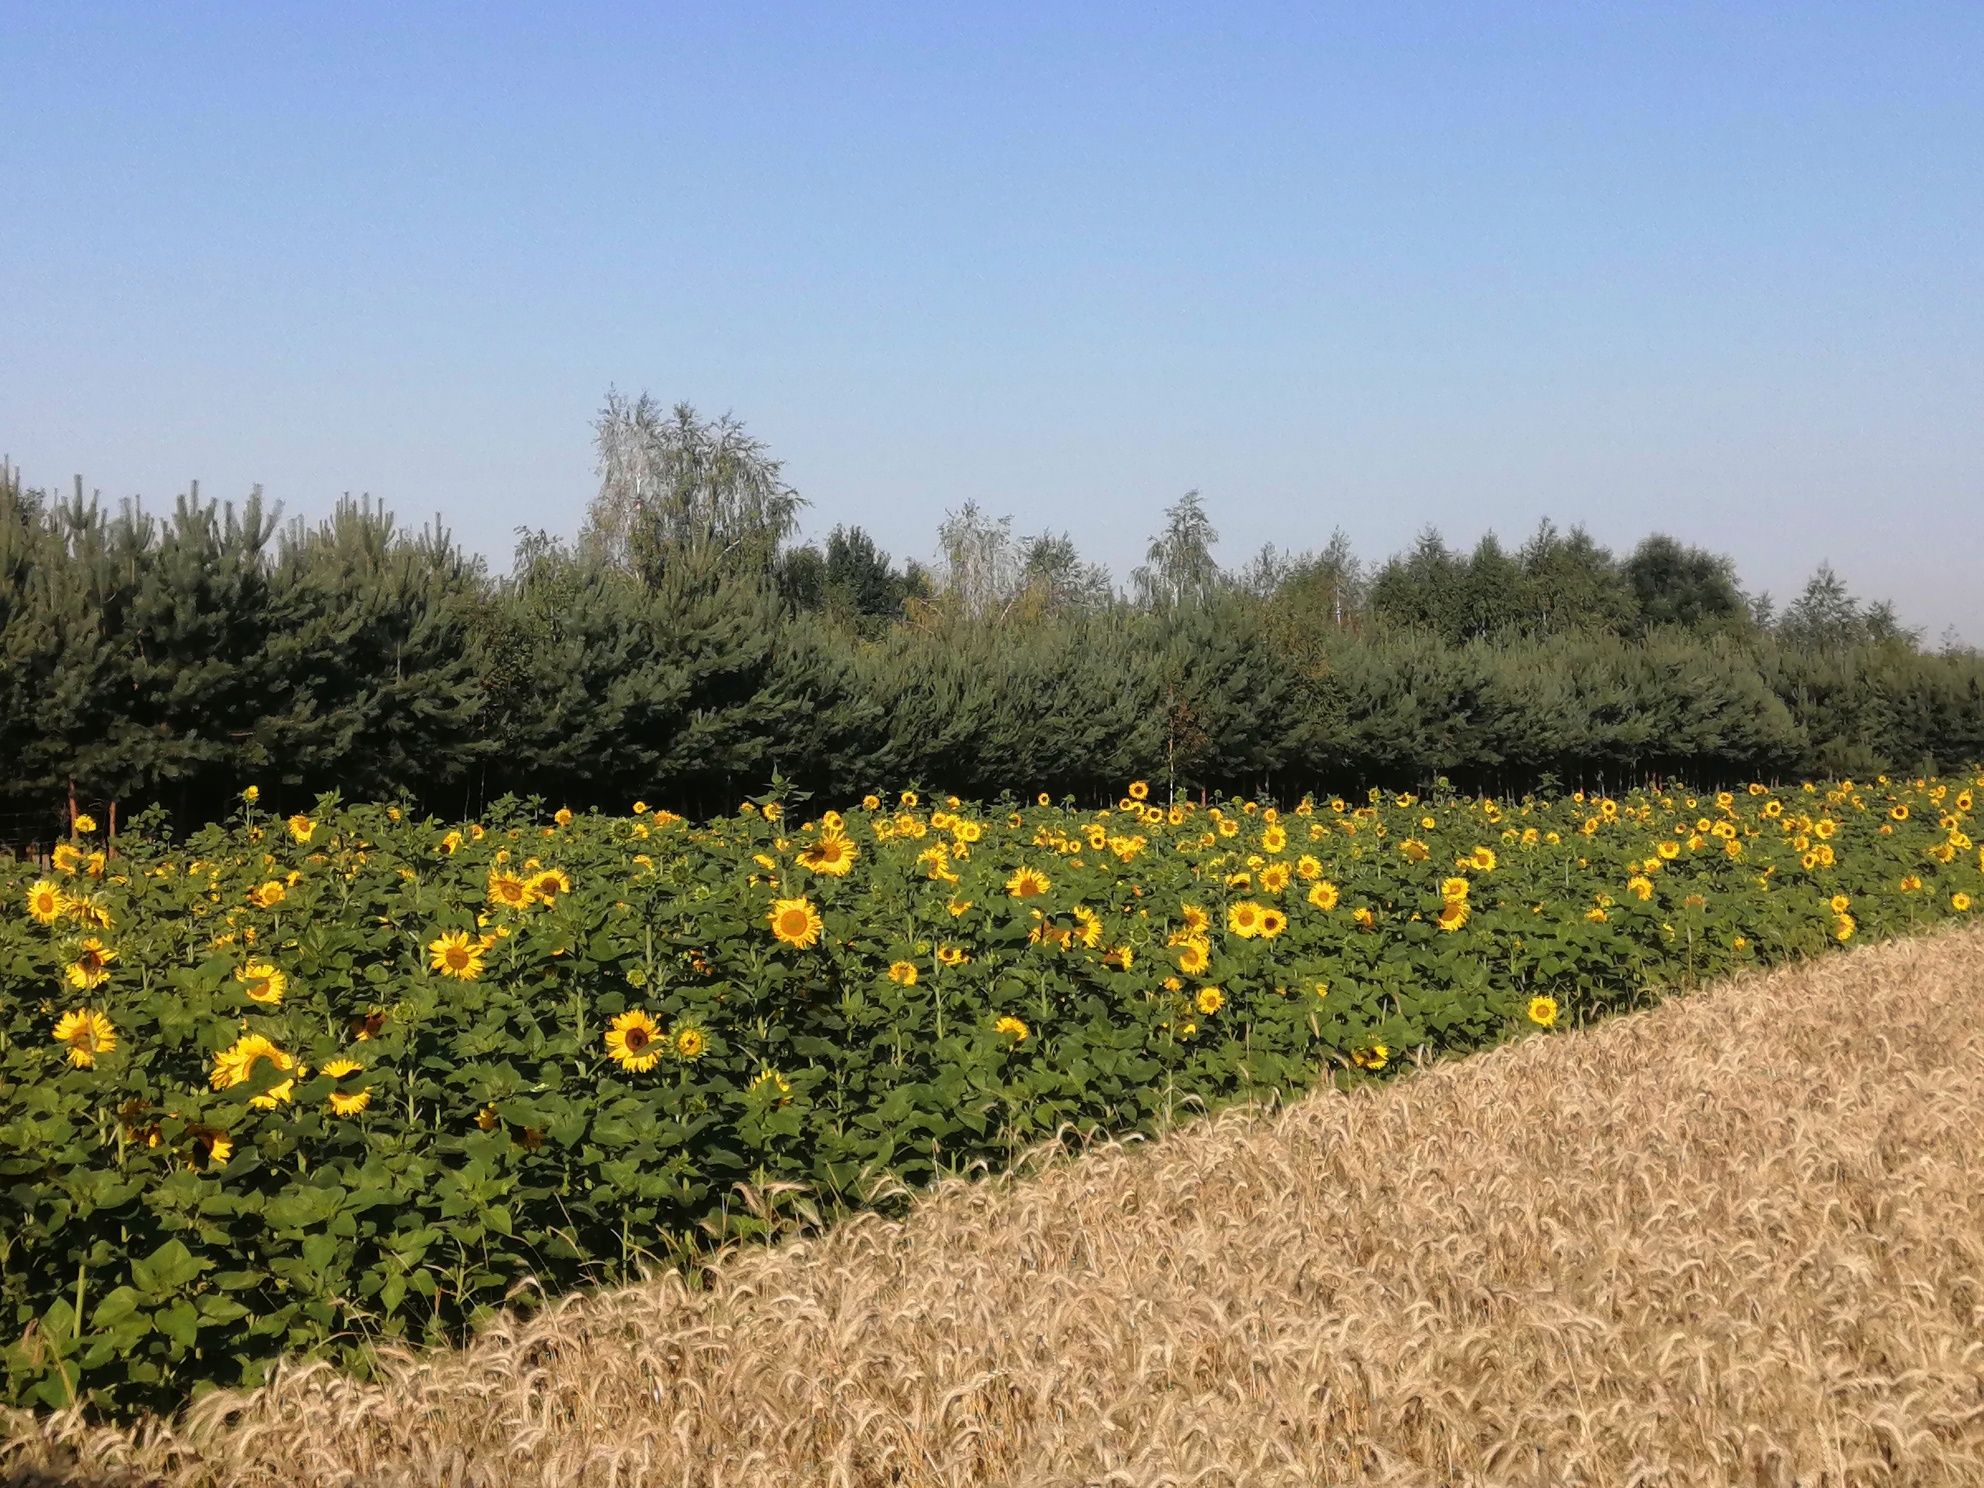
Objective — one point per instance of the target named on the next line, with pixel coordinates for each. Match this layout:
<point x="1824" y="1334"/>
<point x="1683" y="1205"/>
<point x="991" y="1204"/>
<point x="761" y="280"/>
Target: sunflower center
<point x="457" y="957"/>
<point x="793" y="922"/>
<point x="637" y="1039"/>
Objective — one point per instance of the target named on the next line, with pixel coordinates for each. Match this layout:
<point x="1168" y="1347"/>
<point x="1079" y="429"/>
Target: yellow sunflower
<point x="1209" y="1000"/>
<point x="508" y="891"/>
<point x="1543" y="1011"/>
<point x="795" y="922"/>
<point x="455" y="954"/>
<point x="1194" y="957"/>
<point x="302" y="828"/>
<point x="633" y="1041"/>
<point x="91" y="968"/>
<point x="1323" y="894"/>
<point x="235" y="1065"/>
<point x="1244" y="919"/>
<point x="1027" y="883"/>
<point x="88" y="1033"/>
<point x="46" y="902"/>
<point x="347" y="1102"/>
<point x="1013" y="1028"/>
<point x="903" y="973"/>
<point x="833" y="855"/>
<point x="262" y="982"/>
<point x="690" y="1043"/>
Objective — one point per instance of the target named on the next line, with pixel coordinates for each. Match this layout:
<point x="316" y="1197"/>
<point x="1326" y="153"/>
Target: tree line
<point x="687" y="650"/>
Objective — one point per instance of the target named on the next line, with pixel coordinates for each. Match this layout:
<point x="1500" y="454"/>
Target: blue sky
<point x="1714" y="269"/>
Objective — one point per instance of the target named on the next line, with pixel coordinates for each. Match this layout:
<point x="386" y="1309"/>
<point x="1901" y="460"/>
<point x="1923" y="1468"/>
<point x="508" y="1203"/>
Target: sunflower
<point x="633" y="1041"/>
<point x="88" y="909"/>
<point x="347" y="1102"/>
<point x="216" y="1146"/>
<point x="454" y="954"/>
<point x="903" y="973"/>
<point x="550" y="883"/>
<point x="1454" y="889"/>
<point x="46" y="902"/>
<point x="562" y="816"/>
<point x="1843" y="928"/>
<point x="1414" y="850"/>
<point x="1013" y="1028"/>
<point x="1209" y="1000"/>
<point x="690" y="1043"/>
<point x="1194" y="919"/>
<point x="1027" y="883"/>
<point x="1139" y="790"/>
<point x="1244" y="919"/>
<point x="91" y="968"/>
<point x="1274" y="877"/>
<point x="302" y="828"/>
<point x="1323" y="894"/>
<point x="1194" y="957"/>
<point x="795" y="922"/>
<point x="85" y="823"/>
<point x="1373" y="1058"/>
<point x="1274" y="839"/>
<point x="1483" y="859"/>
<point x="235" y="1065"/>
<point x="268" y="895"/>
<point x="88" y="1033"/>
<point x="507" y="890"/>
<point x="833" y="855"/>
<point x="1273" y="922"/>
<point x="950" y="955"/>
<point x="262" y="982"/>
<point x="770" y="1083"/>
<point x="1453" y="914"/>
<point x="66" y="857"/>
<point x="1959" y="902"/>
<point x="1365" y="919"/>
<point x="1543" y="1011"/>
<point x="1839" y="904"/>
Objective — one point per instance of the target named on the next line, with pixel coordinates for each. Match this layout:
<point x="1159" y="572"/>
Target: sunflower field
<point x="310" y="1083"/>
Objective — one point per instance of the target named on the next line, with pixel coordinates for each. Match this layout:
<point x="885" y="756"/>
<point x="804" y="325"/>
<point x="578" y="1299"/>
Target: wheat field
<point x="1737" y="1239"/>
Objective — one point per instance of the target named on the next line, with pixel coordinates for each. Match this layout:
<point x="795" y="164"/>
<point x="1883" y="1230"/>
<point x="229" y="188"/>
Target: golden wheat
<point x="1736" y="1239"/>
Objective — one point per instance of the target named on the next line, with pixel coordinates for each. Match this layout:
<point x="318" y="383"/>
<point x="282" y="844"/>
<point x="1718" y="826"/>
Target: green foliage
<point x="158" y="662"/>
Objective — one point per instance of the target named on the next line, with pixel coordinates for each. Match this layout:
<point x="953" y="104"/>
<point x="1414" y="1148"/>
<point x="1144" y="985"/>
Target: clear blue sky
<point x="1713" y="268"/>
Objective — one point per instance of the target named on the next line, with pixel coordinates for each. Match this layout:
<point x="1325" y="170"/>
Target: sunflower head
<point x="1027" y="883"/>
<point x="88" y="1033"/>
<point x="795" y="922"/>
<point x="634" y="1042"/>
<point x="46" y="902"/>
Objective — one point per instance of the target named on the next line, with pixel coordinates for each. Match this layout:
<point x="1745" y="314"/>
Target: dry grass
<point x="1735" y="1240"/>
